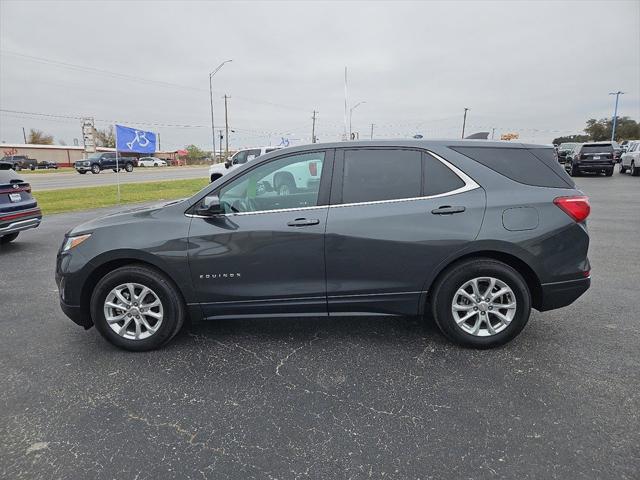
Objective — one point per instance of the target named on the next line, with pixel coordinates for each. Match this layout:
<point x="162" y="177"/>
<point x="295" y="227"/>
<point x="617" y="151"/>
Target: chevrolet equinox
<point x="472" y="233"/>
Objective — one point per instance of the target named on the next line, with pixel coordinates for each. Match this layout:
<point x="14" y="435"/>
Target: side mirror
<point x="209" y="206"/>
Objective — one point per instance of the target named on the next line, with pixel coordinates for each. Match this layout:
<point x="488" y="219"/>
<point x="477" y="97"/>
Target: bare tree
<point x="38" y="137"/>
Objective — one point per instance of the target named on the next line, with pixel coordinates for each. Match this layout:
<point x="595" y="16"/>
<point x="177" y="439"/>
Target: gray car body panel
<point x="347" y="264"/>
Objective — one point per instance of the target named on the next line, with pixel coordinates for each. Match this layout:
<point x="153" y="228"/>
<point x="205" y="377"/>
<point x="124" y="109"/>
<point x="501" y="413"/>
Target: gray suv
<point x="471" y="233"/>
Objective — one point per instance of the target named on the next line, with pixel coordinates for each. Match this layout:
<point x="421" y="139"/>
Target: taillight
<point x="576" y="207"/>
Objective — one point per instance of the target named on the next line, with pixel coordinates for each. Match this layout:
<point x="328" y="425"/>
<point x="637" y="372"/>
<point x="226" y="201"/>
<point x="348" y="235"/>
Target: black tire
<point x="174" y="312"/>
<point x="623" y="169"/>
<point x="284" y="183"/>
<point x="81" y="172"/>
<point x="573" y="170"/>
<point x="32" y="168"/>
<point x="95" y="168"/>
<point x="8" y="238"/>
<point x="17" y="168"/>
<point x="129" y="167"/>
<point x="609" y="172"/>
<point x="454" y="277"/>
<point x="635" y="171"/>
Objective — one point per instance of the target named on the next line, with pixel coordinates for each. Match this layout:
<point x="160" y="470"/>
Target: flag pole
<point x="117" y="165"/>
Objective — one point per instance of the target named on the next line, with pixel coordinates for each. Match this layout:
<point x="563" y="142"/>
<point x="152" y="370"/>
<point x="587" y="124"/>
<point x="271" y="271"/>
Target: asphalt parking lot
<point x="328" y="398"/>
<point x="56" y="181"/>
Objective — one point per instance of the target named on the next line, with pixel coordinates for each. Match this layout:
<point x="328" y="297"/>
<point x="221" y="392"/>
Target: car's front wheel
<point x="137" y="308"/>
<point x="95" y="169"/>
<point x="481" y="303"/>
<point x="8" y="238"/>
<point x="635" y="171"/>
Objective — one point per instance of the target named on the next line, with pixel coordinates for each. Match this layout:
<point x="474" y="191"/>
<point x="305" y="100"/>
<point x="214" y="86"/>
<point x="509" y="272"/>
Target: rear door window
<point x="438" y="178"/>
<point x="381" y="174"/>
<point x="520" y="165"/>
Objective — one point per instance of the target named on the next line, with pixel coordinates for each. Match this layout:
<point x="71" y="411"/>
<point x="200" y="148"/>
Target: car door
<point x="395" y="215"/>
<point x="265" y="254"/>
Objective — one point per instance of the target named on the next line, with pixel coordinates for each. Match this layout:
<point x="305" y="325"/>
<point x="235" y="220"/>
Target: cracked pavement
<point x="327" y="398"/>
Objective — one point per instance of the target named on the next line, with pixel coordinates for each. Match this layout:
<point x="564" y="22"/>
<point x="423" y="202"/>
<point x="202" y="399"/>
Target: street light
<point x="351" y="115"/>
<point x="464" y="120"/>
<point x="213" y="130"/>
<point x="615" y="114"/>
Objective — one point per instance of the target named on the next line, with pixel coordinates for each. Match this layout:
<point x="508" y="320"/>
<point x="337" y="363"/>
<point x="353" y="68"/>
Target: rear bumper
<point x="595" y="167"/>
<point x="560" y="294"/>
<point x="17" y="221"/>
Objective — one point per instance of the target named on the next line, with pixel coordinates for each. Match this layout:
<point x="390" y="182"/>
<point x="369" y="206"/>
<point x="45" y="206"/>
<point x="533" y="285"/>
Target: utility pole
<point x="24" y="135"/>
<point x="372" y="125"/>
<point x="213" y="130"/>
<point x="493" y="132"/>
<point x="615" y="114"/>
<point x="159" y="142"/>
<point x="464" y="121"/>
<point x="226" y="127"/>
<point x="313" y="127"/>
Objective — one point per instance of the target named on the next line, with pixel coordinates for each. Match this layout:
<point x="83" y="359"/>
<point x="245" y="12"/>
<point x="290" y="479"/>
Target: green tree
<point x="38" y="137"/>
<point x="571" y="138"/>
<point x="194" y="153"/>
<point x="626" y="129"/>
<point x="106" y="137"/>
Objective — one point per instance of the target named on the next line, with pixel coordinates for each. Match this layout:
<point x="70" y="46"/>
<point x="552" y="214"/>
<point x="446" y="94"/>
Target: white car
<point x="239" y="158"/>
<point x="630" y="160"/>
<point x="151" y="162"/>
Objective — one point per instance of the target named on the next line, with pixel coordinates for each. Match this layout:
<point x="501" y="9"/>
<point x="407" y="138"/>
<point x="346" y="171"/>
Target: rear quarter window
<point x="528" y="166"/>
<point x="438" y="178"/>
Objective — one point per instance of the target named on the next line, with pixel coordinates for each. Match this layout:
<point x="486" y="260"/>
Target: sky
<point x="539" y="69"/>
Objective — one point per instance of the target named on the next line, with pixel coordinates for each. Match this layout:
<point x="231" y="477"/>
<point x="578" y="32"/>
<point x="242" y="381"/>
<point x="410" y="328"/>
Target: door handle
<point x="303" y="222"/>
<point x="447" y="210"/>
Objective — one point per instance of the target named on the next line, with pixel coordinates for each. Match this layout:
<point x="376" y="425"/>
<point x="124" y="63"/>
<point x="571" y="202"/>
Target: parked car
<point x="630" y="161"/>
<point x="101" y="161"/>
<point x="564" y="149"/>
<point x="594" y="157"/>
<point x="151" y="162"/>
<point x="46" y="165"/>
<point x="475" y="233"/>
<point x="18" y="209"/>
<point x="18" y="162"/>
<point x="238" y="159"/>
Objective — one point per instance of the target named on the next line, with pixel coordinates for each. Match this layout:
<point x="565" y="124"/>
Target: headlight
<point x="73" y="242"/>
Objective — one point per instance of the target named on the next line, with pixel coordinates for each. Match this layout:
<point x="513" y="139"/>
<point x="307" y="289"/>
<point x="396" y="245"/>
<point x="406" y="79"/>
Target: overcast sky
<point x="536" y="68"/>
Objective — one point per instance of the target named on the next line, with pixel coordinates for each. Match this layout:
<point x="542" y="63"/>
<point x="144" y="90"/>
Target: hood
<point x="129" y="215"/>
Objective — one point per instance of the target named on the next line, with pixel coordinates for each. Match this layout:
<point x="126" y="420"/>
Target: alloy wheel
<point x="133" y="311"/>
<point x="484" y="306"/>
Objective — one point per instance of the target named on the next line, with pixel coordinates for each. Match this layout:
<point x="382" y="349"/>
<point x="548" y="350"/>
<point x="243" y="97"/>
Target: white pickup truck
<point x="630" y="160"/>
<point x="239" y="158"/>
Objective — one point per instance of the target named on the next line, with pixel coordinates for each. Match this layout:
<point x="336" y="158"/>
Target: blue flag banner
<point x="133" y="140"/>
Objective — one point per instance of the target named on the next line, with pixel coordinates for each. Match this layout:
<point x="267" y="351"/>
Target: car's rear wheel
<point x="8" y="238"/>
<point x="95" y="169"/>
<point x="573" y="170"/>
<point x="609" y="172"/>
<point x="137" y="308"/>
<point x="635" y="171"/>
<point x="481" y="303"/>
<point x="623" y="169"/>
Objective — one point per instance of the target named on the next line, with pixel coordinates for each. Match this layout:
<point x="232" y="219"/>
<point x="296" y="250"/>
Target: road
<point x="55" y="181"/>
<point x="328" y="398"/>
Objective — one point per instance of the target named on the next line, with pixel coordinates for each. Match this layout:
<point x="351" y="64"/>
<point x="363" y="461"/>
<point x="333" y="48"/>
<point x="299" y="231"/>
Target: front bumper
<point x="560" y="294"/>
<point x="18" y="221"/>
<point x="83" y="168"/>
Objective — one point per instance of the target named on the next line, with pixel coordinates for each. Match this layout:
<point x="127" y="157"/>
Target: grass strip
<point x="74" y="199"/>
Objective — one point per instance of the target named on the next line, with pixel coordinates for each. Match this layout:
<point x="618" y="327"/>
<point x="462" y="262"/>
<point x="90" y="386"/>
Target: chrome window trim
<point x="469" y="184"/>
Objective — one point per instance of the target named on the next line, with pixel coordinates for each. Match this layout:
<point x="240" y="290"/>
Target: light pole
<point x="615" y="114"/>
<point x="213" y="130"/>
<point x="464" y="121"/>
<point x="351" y="115"/>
